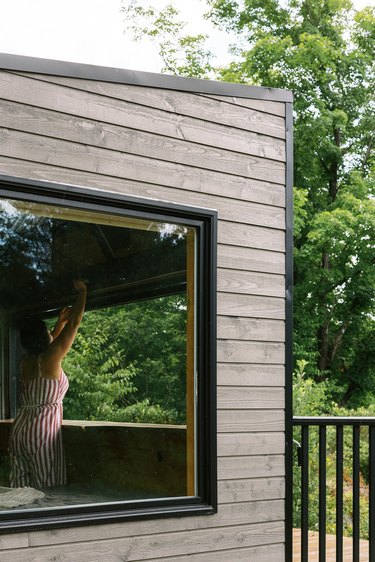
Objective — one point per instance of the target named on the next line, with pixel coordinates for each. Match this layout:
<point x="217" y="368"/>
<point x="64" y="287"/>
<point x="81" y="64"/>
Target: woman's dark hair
<point x="34" y="336"/>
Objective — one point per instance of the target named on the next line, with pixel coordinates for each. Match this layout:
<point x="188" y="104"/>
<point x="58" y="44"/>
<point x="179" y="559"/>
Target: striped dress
<point x="36" y="451"/>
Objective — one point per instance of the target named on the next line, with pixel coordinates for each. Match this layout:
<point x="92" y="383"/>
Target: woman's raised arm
<point x="63" y="318"/>
<point x="64" y="340"/>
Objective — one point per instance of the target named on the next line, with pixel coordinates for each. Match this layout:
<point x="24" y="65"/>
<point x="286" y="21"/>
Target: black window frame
<point x="205" y="223"/>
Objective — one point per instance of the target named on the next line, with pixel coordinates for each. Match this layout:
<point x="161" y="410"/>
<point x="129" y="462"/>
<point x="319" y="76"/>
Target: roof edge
<point x="139" y="78"/>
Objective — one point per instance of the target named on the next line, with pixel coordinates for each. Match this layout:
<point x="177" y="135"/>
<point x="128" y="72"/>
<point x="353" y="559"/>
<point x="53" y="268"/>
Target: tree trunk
<point x="348" y="394"/>
<point x="338" y="340"/>
<point x="323" y="361"/>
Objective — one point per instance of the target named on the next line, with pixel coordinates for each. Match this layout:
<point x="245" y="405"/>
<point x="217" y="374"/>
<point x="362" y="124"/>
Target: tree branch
<point x="367" y="154"/>
<point x="338" y="339"/>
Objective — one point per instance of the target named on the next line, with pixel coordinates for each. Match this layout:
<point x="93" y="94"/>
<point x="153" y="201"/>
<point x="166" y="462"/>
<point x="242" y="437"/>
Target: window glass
<point x="124" y="376"/>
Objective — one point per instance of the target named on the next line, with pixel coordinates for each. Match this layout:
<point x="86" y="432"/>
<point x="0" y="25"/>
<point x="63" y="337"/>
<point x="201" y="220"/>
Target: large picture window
<point x="113" y="415"/>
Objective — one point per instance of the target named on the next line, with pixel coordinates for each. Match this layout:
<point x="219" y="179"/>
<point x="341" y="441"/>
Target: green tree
<point x="153" y="337"/>
<point x="181" y="54"/>
<point x="322" y="50"/>
<point x="128" y="363"/>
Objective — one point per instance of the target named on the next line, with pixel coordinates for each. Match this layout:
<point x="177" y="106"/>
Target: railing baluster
<point x="322" y="491"/>
<point x="372" y="492"/>
<point x="340" y="423"/>
<point x="356" y="491"/>
<point x="305" y="495"/>
<point x="339" y="492"/>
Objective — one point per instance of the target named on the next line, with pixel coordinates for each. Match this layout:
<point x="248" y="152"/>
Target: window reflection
<point x="128" y="429"/>
<point x="137" y="352"/>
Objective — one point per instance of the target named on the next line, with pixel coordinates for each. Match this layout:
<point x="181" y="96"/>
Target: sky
<point x="92" y="32"/>
<point x="89" y="31"/>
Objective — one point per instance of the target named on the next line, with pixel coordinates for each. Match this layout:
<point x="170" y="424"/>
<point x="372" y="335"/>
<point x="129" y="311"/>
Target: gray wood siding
<point x="218" y="152"/>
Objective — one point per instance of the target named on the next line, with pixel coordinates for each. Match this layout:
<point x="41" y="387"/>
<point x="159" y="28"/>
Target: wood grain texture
<point x="248" y="329"/>
<point x="16" y="540"/>
<point x="250" y="398"/>
<point x="240" y="188"/>
<point x="250" y="283"/>
<point x="261" y="169"/>
<point x="235" y="351"/>
<point x="264" y="106"/>
<point x="250" y="259"/>
<point x="249" y="490"/>
<point x="250" y="421"/>
<point x="197" y="140"/>
<point x="267" y="466"/>
<point x="250" y="306"/>
<point x="157" y="546"/>
<point x="180" y="103"/>
<point x="249" y="236"/>
<point x="237" y="374"/>
<point x="274" y="553"/>
<point x="229" y="209"/>
<point x="242" y="444"/>
<point x="258" y="554"/>
<point x="19" y="145"/>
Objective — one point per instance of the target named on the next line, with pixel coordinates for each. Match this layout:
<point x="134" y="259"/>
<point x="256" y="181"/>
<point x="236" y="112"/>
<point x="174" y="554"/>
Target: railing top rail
<point x="333" y="420"/>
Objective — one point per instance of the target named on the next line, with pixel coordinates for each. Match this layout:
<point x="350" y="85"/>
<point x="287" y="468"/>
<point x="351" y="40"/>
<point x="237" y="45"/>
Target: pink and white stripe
<point x="37" y="456"/>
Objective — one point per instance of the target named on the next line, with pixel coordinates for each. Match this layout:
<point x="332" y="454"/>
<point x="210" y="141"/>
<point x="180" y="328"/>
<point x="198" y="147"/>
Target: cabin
<point x="172" y="199"/>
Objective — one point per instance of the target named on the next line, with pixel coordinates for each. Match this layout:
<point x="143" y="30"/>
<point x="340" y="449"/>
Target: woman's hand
<point x="79" y="285"/>
<point x="64" y="314"/>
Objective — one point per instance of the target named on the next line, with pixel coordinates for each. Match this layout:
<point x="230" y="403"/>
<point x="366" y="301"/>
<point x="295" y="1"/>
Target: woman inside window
<point x="36" y="451"/>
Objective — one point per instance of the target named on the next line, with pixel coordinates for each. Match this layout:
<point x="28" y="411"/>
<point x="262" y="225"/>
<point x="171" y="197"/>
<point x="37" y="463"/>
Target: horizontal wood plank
<point x="250" y="398"/>
<point x="232" y="328"/>
<point x="250" y="283"/>
<point x="261" y="170"/>
<point x="62" y="153"/>
<point x="204" y="144"/>
<point x="77" y="130"/>
<point x="229" y="209"/>
<point x="158" y="545"/>
<point x="251" y="306"/>
<point x="237" y="374"/>
<point x="265" y="106"/>
<point x="249" y="236"/>
<point x="247" y="444"/>
<point x="16" y="540"/>
<point x="174" y="102"/>
<point x="243" y="190"/>
<point x="59" y="152"/>
<point x="249" y="421"/>
<point x="250" y="259"/>
<point x="274" y="553"/>
<point x="237" y="351"/>
<point x="249" y="490"/>
<point x="266" y="466"/>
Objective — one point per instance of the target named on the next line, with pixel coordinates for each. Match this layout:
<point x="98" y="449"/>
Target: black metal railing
<point x="356" y="450"/>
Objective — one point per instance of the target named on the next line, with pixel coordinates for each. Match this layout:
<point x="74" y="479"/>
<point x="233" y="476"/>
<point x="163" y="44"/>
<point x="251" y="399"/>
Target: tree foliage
<point x="181" y="54"/>
<point x="322" y="50"/>
<point x="128" y="364"/>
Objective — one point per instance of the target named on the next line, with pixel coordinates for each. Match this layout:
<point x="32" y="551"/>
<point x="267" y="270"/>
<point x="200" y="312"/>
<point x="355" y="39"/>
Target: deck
<point x="330" y="549"/>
